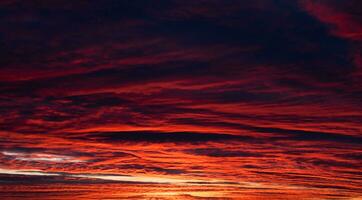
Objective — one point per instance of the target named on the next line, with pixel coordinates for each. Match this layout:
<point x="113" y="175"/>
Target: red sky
<point x="171" y="99"/>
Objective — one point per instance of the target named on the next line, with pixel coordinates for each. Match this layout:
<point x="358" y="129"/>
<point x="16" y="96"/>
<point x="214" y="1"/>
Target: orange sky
<point x="174" y="99"/>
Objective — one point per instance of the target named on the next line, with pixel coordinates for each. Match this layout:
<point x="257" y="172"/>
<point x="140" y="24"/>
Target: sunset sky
<point x="181" y="99"/>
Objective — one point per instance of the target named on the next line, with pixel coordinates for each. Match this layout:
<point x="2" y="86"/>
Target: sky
<point x="175" y="99"/>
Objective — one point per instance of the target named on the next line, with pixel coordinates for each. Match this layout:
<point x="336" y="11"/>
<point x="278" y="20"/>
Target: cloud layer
<point x="232" y="98"/>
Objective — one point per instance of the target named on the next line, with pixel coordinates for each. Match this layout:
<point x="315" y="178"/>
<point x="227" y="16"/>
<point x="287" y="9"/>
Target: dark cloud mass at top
<point x="231" y="99"/>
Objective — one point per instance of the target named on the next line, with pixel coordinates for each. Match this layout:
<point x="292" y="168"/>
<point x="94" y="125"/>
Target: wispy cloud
<point x="40" y="157"/>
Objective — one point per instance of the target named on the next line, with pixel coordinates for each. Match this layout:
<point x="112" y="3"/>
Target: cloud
<point x="155" y="136"/>
<point x="40" y="157"/>
<point x="261" y="91"/>
<point x="214" y="152"/>
<point x="341" y="17"/>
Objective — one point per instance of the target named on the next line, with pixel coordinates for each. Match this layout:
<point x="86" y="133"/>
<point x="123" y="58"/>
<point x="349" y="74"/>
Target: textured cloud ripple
<point x="172" y="99"/>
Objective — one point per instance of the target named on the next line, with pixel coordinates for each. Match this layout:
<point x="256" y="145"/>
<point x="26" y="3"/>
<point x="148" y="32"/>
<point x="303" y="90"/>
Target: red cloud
<point x="342" y="17"/>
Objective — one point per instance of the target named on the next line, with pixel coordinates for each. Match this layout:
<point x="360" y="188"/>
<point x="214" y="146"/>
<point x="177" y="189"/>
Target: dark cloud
<point x="155" y="136"/>
<point x="214" y="152"/>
